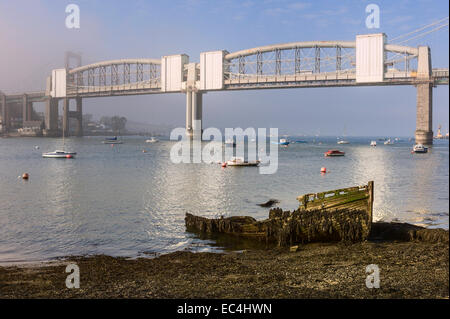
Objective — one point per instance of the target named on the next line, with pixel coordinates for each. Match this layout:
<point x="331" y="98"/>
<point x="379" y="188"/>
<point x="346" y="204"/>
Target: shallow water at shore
<point x="120" y="201"/>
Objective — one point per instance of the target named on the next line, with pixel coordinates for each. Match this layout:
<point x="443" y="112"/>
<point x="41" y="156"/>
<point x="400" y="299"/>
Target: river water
<point x="121" y="201"/>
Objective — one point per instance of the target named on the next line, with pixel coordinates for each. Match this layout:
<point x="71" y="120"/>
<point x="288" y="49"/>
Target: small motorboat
<point x="301" y="142"/>
<point x="334" y="153"/>
<point x="419" y="148"/>
<point x="282" y="141"/>
<point x="239" y="161"/>
<point x="151" y="140"/>
<point x="373" y="143"/>
<point x="388" y="142"/>
<point x="112" y="140"/>
<point x="59" y="154"/>
<point x="230" y="142"/>
<point x="343" y="142"/>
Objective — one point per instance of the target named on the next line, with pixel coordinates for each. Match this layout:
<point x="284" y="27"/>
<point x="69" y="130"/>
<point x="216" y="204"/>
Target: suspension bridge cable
<point x="424" y="34"/>
<point x="419" y="29"/>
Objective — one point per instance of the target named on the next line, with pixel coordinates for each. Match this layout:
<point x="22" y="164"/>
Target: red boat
<point x="334" y="153"/>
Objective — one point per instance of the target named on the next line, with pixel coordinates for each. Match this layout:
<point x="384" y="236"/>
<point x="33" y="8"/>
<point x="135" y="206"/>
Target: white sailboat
<point x="344" y="141"/>
<point x="60" y="153"/>
<point x="151" y="140"/>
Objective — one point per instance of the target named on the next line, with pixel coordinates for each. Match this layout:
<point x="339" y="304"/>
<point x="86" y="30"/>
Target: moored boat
<point x="282" y="141"/>
<point x="59" y="154"/>
<point x="373" y="143"/>
<point x="230" y="142"/>
<point x="388" y="142"/>
<point x="419" y="148"/>
<point x="334" y="153"/>
<point x="343" y="142"/>
<point x="112" y="140"/>
<point x="151" y="140"/>
<point x="239" y="161"/>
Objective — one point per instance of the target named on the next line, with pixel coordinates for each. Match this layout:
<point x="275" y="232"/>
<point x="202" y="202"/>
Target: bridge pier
<point x="65" y="122"/>
<point x="6" y="123"/>
<point x="78" y="115"/>
<point x="189" y="114"/>
<point x="424" y="120"/>
<point x="27" y="110"/>
<point x="194" y="114"/>
<point x="51" y="116"/>
<point x="197" y="110"/>
<point x="424" y="116"/>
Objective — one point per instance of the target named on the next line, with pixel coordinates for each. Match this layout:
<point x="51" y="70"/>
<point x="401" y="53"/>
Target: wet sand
<point x="408" y="269"/>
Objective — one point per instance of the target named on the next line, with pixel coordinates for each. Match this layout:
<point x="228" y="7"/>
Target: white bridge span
<point x="369" y="60"/>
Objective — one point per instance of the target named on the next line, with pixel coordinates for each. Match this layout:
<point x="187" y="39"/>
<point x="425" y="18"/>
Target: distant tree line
<point x="116" y="123"/>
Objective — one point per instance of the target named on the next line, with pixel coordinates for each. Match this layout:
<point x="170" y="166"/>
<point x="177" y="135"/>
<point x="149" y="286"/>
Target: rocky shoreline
<point x="410" y="267"/>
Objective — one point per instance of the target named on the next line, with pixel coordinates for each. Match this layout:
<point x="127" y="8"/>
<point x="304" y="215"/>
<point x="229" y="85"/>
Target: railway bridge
<point x="369" y="60"/>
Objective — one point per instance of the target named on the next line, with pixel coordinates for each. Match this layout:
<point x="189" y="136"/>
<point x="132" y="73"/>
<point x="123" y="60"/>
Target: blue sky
<point x="33" y="39"/>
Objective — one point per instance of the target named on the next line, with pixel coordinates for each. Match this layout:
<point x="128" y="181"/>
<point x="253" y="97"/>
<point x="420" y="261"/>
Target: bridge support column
<point x="197" y="110"/>
<point x="51" y="116"/>
<point x="5" y="114"/>
<point x="25" y="107"/>
<point x="189" y="113"/>
<point x="29" y="111"/>
<point x="424" y="120"/>
<point x="65" y="123"/>
<point x="79" y="116"/>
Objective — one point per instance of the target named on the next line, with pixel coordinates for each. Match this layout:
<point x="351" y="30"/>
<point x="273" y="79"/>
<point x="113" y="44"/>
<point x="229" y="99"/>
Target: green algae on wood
<point x="338" y="215"/>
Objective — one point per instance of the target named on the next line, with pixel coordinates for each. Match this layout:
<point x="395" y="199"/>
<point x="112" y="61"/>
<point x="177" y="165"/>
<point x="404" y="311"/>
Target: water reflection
<point x="121" y="201"/>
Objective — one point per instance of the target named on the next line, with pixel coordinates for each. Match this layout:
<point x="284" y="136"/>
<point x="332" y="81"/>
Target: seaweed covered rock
<point x="408" y="232"/>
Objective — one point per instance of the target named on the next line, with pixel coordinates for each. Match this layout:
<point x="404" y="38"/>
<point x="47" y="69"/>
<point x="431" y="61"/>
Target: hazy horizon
<point x="33" y="40"/>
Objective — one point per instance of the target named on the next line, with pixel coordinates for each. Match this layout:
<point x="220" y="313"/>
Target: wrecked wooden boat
<point x="337" y="215"/>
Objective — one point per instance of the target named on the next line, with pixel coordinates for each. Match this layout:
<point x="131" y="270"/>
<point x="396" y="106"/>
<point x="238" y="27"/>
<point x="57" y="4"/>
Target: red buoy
<point x="224" y="164"/>
<point x="323" y="170"/>
<point x="68" y="156"/>
<point x="25" y="176"/>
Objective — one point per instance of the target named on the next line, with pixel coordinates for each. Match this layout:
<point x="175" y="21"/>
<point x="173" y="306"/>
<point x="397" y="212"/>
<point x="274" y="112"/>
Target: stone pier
<point x="424" y="117"/>
<point x="27" y="110"/>
<point x="6" y="124"/>
<point x="51" y="116"/>
<point x="194" y="102"/>
<point x="79" y="117"/>
<point x="78" y="114"/>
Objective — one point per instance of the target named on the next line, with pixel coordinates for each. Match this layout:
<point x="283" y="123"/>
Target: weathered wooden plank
<point x="345" y="215"/>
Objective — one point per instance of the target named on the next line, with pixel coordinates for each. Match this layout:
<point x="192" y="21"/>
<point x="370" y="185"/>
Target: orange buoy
<point x="224" y="164"/>
<point x="25" y="176"/>
<point x="144" y="151"/>
<point x="323" y="170"/>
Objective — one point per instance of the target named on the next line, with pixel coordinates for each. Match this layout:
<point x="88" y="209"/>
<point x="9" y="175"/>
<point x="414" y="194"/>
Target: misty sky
<point x="33" y="39"/>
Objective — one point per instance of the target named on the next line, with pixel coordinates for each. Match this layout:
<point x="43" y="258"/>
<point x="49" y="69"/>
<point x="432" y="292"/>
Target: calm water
<point x="123" y="202"/>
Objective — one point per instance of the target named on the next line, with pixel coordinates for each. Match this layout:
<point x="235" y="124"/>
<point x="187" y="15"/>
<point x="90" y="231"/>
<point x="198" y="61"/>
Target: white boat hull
<point x="59" y="155"/>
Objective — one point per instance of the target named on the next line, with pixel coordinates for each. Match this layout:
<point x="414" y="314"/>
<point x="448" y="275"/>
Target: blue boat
<point x="112" y="140"/>
<point x="282" y="141"/>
